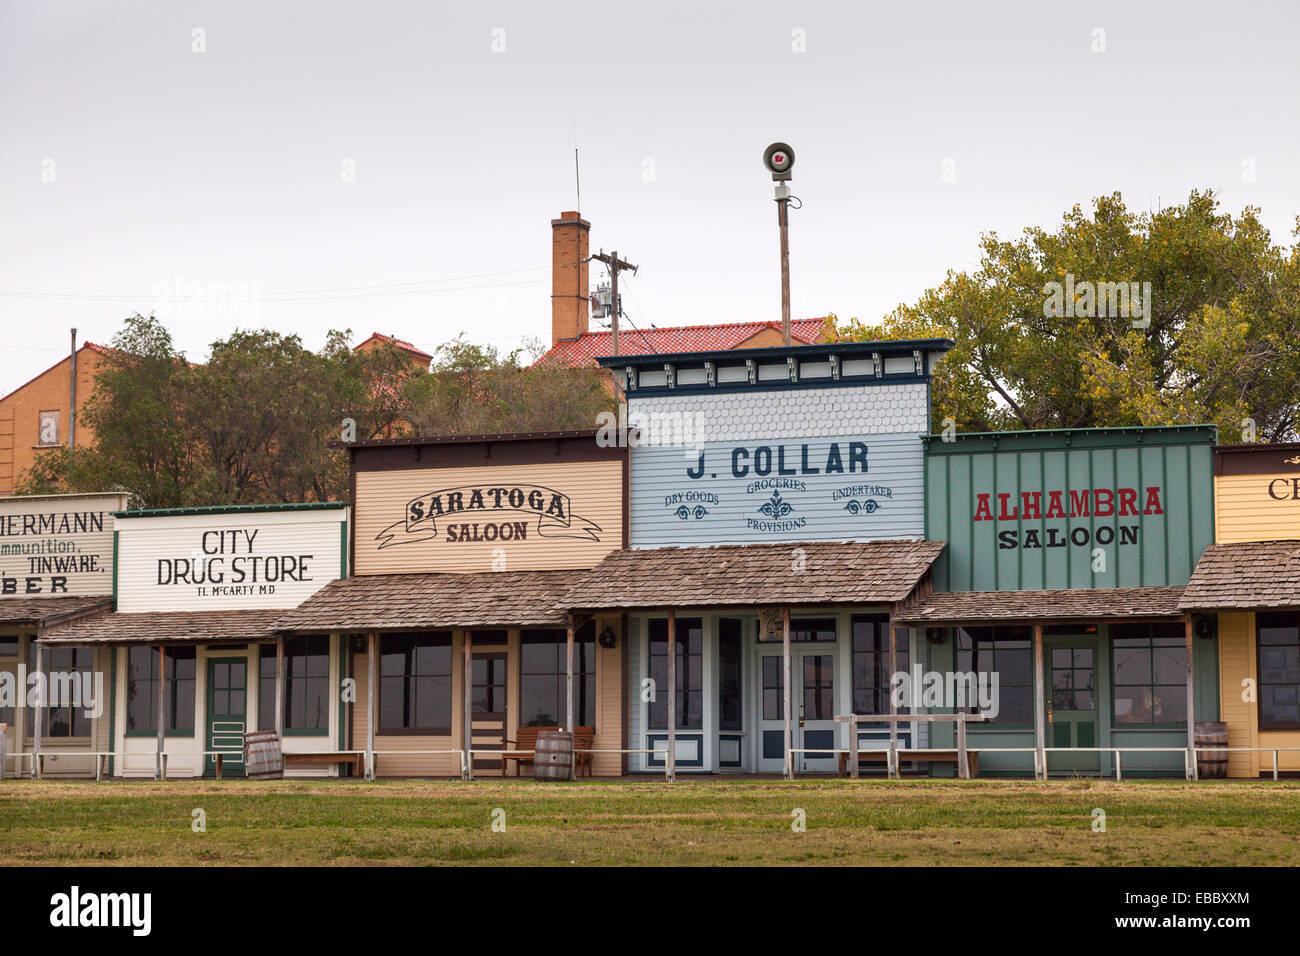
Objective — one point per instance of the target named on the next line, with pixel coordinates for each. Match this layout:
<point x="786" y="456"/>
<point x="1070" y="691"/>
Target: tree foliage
<point x="255" y="422"/>
<point x="1221" y="346"/>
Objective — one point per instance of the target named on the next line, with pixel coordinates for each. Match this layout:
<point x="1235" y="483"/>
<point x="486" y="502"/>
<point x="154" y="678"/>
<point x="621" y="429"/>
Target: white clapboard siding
<point x="44" y="538"/>
<point x="316" y="537"/>
<point x="724" y="505"/>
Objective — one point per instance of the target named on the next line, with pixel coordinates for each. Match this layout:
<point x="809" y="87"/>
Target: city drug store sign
<point x="815" y="489"/>
<point x="232" y="559"/>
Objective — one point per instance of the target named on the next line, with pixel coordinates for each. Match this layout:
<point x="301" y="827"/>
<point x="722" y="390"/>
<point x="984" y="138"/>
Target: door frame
<point x="484" y="763"/>
<point x="1089" y="763"/>
<point x="234" y="766"/>
<point x="798" y="730"/>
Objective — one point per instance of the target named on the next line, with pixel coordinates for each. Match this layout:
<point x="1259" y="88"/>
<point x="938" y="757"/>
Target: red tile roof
<point x="403" y="345"/>
<point x="585" y="349"/>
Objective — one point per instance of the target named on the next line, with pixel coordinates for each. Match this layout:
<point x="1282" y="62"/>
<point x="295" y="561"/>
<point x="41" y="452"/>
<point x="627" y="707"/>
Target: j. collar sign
<point x="479" y="513"/>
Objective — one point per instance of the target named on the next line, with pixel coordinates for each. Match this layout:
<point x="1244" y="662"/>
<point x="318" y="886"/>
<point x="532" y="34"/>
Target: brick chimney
<point x="570" y="244"/>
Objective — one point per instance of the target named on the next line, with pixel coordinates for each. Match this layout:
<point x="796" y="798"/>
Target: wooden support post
<point x="467" y="716"/>
<point x="1040" y="708"/>
<point x="893" y="705"/>
<point x="568" y="695"/>
<point x="670" y="758"/>
<point x="160" y="768"/>
<point x="1119" y="771"/>
<point x="279" y="689"/>
<point x="853" y="746"/>
<point x="40" y="711"/>
<point x="963" y="768"/>
<point x="1191" y="705"/>
<point x="1274" y="764"/>
<point x="785" y="690"/>
<point x="372" y="704"/>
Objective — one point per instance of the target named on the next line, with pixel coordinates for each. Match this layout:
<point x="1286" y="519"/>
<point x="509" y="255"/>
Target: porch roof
<point x="167" y="627"/>
<point x="1078" y="604"/>
<point x="41" y="610"/>
<point x="395" y="602"/>
<point x="753" y="575"/>
<point x="1245" y="575"/>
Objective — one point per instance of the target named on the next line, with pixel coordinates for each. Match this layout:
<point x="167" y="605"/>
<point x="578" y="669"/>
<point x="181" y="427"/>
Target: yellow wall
<point x="1244" y="509"/>
<point x="1237" y="677"/>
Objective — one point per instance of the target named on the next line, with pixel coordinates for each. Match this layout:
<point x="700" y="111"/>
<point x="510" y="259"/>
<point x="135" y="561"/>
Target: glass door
<point x="227" y="713"/>
<point x="488" y="709"/>
<point x="1071" y="703"/>
<point x="812" y="710"/>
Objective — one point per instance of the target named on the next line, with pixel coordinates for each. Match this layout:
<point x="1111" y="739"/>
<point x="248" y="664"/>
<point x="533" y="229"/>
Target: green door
<point x="227" y="713"/>
<point x="1071" y="701"/>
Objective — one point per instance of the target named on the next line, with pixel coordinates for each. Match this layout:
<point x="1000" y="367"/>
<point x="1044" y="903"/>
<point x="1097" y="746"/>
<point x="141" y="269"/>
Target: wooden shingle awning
<point x="1245" y="575"/>
<point x="397" y="602"/>
<point x="754" y="575"/>
<point x="1079" y="604"/>
<point x="167" y="627"/>
<point x="49" y="609"/>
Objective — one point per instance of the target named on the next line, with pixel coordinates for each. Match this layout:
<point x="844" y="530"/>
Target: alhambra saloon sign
<point x="1091" y="503"/>
<point x="817" y="489"/>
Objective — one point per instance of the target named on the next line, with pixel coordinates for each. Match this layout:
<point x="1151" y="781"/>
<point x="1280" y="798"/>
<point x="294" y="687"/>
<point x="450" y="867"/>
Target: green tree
<point x="1220" y="346"/>
<point x="475" y="390"/>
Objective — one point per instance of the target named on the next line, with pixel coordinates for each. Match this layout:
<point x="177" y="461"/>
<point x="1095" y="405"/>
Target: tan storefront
<point x="462" y="551"/>
<point x="1250" y="580"/>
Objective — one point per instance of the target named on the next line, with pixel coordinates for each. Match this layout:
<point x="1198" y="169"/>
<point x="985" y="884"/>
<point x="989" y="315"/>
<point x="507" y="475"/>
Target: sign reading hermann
<point x="57" y="545"/>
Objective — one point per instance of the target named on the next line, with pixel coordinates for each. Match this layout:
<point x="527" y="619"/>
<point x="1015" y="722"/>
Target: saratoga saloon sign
<point x="479" y="513"/>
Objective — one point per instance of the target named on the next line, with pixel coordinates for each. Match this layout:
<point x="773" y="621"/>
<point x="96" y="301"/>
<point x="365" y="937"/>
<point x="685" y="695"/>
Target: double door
<point x="812" y="709"/>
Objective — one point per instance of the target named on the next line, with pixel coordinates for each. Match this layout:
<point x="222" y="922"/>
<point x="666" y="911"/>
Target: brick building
<point x="35" y="416"/>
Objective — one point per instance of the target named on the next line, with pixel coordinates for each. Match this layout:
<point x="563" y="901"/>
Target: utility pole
<point x="616" y="265"/>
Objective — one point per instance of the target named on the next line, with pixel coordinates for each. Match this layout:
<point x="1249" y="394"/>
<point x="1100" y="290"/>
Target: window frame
<point x="1117" y="633"/>
<point x="266" y="683"/>
<point x="684" y="674"/>
<point x="583" y="679"/>
<point x="1259" y="671"/>
<point x="881" y="666"/>
<point x="171" y="680"/>
<point x="438" y="638"/>
<point x="998" y="723"/>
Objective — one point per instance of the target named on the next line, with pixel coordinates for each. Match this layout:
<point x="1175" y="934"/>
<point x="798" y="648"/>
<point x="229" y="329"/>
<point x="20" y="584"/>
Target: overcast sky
<point x="412" y="154"/>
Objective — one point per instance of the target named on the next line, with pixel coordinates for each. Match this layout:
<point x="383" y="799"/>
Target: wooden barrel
<point x="262" y="757"/>
<point x="1211" y="762"/>
<point x="553" y="759"/>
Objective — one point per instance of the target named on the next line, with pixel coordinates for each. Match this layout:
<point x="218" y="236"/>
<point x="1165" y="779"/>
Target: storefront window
<point x="306" y="684"/>
<point x="1007" y="652"/>
<point x="66" y="720"/>
<point x="690" y="675"/>
<point x="730" y="707"/>
<point x="1150" y="668"/>
<point x="543" y="684"/>
<point x="415" y="683"/>
<point x="1279" y="671"/>
<point x="871" y="667"/>
<point x="142" y="690"/>
<point x="812" y="629"/>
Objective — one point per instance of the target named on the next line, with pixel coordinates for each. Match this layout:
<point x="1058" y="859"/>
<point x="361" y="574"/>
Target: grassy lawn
<point x="621" y="822"/>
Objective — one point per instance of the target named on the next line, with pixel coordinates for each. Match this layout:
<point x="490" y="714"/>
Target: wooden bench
<point x="936" y="756"/>
<point x="520" y="750"/>
<point x="356" y="761"/>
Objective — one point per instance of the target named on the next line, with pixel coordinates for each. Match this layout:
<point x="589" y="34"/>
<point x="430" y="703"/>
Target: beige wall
<point x="593" y="492"/>
<point x="1238" y="663"/>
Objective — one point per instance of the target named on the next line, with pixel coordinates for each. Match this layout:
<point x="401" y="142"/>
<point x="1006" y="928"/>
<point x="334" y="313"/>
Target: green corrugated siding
<point x="981" y="557"/>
